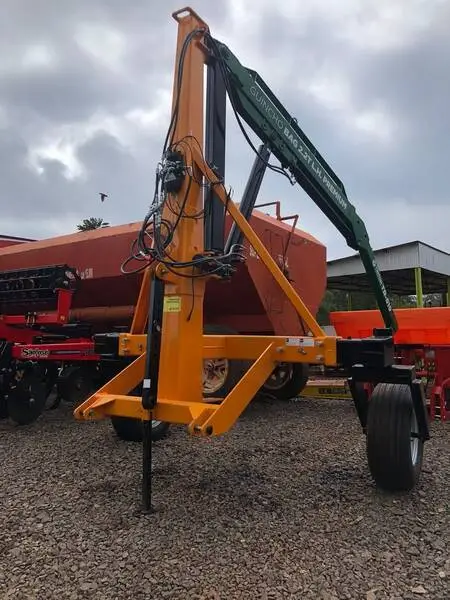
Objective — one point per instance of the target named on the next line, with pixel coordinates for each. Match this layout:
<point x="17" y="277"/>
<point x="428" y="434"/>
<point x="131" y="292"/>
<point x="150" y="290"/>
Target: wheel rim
<point x="414" y="438"/>
<point x="279" y="377"/>
<point x="215" y="373"/>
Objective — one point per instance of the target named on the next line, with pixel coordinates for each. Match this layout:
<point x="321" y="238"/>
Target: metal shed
<point x="414" y="268"/>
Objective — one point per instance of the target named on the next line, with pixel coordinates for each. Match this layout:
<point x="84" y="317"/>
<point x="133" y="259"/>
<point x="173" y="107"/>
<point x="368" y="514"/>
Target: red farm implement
<point x="422" y="338"/>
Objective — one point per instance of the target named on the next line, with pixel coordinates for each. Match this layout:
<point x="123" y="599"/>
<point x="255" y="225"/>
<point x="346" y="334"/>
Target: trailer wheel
<point x="220" y="375"/>
<point x="130" y="430"/>
<point x="394" y="448"/>
<point x="287" y="381"/>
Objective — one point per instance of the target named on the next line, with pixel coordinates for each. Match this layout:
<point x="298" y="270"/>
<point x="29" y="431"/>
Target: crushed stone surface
<point x="282" y="506"/>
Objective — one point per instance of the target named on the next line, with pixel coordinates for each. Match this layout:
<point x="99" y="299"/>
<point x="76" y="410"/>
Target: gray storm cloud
<point x="85" y="94"/>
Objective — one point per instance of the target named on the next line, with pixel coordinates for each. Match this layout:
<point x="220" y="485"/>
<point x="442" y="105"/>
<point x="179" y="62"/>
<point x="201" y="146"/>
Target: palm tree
<point x="92" y="223"/>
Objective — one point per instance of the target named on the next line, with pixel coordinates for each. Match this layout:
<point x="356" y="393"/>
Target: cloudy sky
<point x="85" y="94"/>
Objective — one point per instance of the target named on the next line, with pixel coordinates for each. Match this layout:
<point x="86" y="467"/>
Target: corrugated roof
<point x="397" y="264"/>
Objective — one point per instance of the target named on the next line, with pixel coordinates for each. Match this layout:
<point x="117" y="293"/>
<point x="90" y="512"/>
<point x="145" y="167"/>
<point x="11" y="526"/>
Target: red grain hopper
<point x="251" y="302"/>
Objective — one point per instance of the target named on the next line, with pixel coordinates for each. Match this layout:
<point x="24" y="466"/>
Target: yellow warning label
<point x="172" y="304"/>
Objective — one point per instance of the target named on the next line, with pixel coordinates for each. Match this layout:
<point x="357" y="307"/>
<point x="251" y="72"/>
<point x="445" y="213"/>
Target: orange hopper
<point x="429" y="326"/>
<point x="250" y="302"/>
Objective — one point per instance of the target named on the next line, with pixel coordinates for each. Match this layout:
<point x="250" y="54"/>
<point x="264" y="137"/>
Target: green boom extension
<point x="253" y="100"/>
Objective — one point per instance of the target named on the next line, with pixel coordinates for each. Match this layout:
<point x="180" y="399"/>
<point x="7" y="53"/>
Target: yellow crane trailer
<point x="182" y="240"/>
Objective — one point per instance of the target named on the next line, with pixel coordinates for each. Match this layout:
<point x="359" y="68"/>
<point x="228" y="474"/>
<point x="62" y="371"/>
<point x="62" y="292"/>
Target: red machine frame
<point x="434" y="366"/>
<point x="18" y="330"/>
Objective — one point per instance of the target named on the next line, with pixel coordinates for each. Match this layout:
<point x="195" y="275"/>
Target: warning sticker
<point x="303" y="341"/>
<point x="172" y="304"/>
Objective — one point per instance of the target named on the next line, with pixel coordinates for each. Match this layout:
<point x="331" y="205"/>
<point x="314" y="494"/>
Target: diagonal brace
<point x="259" y="247"/>
<point x="239" y="398"/>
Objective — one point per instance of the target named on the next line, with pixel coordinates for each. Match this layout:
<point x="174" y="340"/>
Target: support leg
<point x="147" y="506"/>
<point x="150" y="385"/>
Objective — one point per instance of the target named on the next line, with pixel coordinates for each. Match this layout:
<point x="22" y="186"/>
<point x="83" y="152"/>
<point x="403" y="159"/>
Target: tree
<point x="92" y="223"/>
<point x="339" y="300"/>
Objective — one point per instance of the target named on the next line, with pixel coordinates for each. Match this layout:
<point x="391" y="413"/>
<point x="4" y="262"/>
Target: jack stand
<point x="147" y="507"/>
<point x="150" y="385"/>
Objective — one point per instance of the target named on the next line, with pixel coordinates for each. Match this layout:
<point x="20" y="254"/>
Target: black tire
<point x="76" y="384"/>
<point x="393" y="462"/>
<point x="130" y="430"/>
<point x="288" y="380"/>
<point x="3" y="406"/>
<point x="234" y="368"/>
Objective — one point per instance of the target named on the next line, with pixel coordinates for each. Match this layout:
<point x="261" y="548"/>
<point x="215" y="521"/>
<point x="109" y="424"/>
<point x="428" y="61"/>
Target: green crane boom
<point x="257" y="105"/>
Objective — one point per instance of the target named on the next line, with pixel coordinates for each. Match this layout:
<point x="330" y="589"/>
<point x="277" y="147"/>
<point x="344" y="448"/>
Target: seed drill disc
<point x="3" y="406"/>
<point x="76" y="384"/>
<point x="26" y="399"/>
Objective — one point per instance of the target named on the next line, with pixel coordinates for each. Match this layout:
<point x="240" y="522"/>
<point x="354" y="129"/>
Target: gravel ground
<point x="281" y="507"/>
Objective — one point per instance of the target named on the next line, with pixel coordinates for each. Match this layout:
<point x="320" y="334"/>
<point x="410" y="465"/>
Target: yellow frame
<point x="184" y="346"/>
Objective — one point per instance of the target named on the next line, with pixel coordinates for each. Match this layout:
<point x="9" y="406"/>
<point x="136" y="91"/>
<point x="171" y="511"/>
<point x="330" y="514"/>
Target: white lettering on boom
<point x="274" y="116"/>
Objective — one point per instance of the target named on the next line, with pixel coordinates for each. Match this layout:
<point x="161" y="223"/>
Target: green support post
<point x="419" y="291"/>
